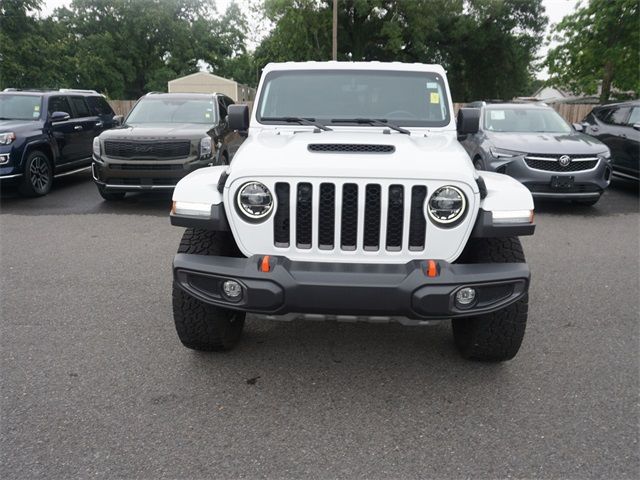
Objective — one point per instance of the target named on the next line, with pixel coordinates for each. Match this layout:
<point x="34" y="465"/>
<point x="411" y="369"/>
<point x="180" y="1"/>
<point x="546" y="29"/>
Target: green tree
<point x="600" y="48"/>
<point x="488" y="46"/>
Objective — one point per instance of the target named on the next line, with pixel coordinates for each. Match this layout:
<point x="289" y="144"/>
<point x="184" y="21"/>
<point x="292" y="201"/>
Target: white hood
<point x="434" y="156"/>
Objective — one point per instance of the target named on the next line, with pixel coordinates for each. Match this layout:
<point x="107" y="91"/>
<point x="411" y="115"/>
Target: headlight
<point x="255" y="200"/>
<point x="502" y="153"/>
<point x="205" y="147"/>
<point x="7" y="137"/>
<point x="96" y="146"/>
<point x="447" y="205"/>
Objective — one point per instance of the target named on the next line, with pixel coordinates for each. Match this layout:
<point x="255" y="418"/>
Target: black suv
<point x="164" y="137"/>
<point x="618" y="127"/>
<point x="48" y="134"/>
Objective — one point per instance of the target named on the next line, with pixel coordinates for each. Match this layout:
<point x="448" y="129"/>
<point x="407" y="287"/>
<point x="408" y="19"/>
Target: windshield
<point x="20" y="107"/>
<point x="403" y="98"/>
<point x="524" y="120"/>
<point x="163" y="109"/>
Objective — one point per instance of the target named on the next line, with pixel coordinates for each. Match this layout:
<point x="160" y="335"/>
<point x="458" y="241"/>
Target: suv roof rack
<point x="13" y="89"/>
<point x="77" y="90"/>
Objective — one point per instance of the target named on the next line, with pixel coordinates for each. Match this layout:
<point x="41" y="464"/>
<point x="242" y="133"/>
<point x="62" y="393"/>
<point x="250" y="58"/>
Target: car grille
<point x="157" y="149"/>
<point x="143" y="182"/>
<point x="550" y="163"/>
<point x="143" y="166"/>
<point x="392" y="216"/>
<point x="350" y="148"/>
<point x="576" y="188"/>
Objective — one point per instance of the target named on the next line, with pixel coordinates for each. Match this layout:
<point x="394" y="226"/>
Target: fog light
<point x="232" y="289"/>
<point x="465" y="297"/>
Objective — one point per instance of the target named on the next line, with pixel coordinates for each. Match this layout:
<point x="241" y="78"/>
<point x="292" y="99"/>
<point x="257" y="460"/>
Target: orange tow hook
<point x="264" y="265"/>
<point x="432" y="268"/>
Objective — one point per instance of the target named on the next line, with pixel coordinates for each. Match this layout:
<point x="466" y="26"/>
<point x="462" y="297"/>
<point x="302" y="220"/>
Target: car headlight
<point x="7" y="137"/>
<point x="255" y="200"/>
<point x="447" y="205"/>
<point x="502" y="153"/>
<point x="96" y="146"/>
<point x="206" y="146"/>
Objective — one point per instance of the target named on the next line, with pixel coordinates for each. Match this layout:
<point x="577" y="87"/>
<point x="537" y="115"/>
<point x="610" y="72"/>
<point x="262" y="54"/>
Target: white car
<point x="352" y="200"/>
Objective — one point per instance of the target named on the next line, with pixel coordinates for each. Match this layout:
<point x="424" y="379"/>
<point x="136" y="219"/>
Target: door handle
<point x="595" y="129"/>
<point x="78" y="127"/>
<point x="623" y="135"/>
<point x="99" y="124"/>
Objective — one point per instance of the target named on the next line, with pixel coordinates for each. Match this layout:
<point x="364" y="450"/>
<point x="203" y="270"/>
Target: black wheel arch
<point x="43" y="146"/>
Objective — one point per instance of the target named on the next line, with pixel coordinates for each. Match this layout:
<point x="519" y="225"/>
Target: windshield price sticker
<point x="497" y="114"/>
<point x="434" y="97"/>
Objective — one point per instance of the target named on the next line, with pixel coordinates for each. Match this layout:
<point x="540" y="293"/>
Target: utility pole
<point x="335" y="30"/>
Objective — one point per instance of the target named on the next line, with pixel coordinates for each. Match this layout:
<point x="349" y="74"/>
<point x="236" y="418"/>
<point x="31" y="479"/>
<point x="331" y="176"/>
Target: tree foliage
<point x="600" y="48"/>
<point x="488" y="46"/>
<point x="121" y="47"/>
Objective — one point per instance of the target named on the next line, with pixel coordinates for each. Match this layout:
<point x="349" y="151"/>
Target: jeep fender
<point x="505" y="193"/>
<point x="201" y="186"/>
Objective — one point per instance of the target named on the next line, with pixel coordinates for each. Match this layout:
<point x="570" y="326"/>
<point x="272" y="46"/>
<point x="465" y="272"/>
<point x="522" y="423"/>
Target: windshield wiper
<point x="372" y="121"/>
<point x="300" y="120"/>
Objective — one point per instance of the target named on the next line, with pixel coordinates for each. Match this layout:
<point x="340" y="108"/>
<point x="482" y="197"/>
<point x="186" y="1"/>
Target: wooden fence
<point x="571" y="112"/>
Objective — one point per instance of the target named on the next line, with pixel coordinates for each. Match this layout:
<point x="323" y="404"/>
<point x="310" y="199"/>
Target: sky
<point x="555" y="10"/>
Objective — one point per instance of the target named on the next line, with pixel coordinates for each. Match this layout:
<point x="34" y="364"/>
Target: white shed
<point x="204" y="82"/>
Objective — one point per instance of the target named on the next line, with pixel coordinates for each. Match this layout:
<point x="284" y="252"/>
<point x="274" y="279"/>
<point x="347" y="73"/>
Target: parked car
<point x="352" y="200"/>
<point x="618" y="127"/>
<point x="535" y="145"/>
<point x="46" y="134"/>
<point x="164" y="137"/>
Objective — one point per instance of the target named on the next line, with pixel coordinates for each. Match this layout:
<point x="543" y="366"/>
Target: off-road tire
<point x="38" y="175"/>
<point x="201" y="326"/>
<point x="496" y="336"/>
<point x="110" y="196"/>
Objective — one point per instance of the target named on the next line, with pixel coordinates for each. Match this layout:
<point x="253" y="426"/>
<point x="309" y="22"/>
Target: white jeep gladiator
<point x="351" y="199"/>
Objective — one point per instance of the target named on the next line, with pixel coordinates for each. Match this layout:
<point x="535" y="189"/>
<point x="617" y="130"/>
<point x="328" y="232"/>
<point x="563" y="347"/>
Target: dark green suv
<point x="164" y="137"/>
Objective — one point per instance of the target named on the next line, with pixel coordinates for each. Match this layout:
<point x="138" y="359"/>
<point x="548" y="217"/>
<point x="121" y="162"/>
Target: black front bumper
<point x="351" y="289"/>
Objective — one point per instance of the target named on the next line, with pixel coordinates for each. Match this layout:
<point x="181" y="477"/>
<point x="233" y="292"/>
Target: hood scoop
<point x="350" y="148"/>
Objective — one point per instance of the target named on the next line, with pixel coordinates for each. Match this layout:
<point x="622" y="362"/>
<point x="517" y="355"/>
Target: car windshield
<point x="163" y="109"/>
<point x="20" y="107"/>
<point x="337" y="96"/>
<point x="522" y="120"/>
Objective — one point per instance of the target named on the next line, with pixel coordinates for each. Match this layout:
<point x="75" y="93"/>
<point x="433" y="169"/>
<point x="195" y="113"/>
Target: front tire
<point x="201" y="326"/>
<point x="496" y="336"/>
<point x="38" y="175"/>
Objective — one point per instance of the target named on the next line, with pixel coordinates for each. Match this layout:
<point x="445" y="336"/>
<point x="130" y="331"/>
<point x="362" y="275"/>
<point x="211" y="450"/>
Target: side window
<point x="80" y="107"/>
<point x="635" y="116"/>
<point x="99" y="106"/>
<point x="223" y="108"/>
<point x="602" y="114"/>
<point x="59" y="104"/>
<point x="619" y="116"/>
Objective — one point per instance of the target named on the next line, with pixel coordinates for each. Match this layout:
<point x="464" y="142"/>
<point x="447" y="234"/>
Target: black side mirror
<point x="59" y="117"/>
<point x="578" y="127"/>
<point x="118" y="119"/>
<point x="468" y="121"/>
<point x="238" y="117"/>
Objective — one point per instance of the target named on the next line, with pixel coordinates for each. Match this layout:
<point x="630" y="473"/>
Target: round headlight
<point x="447" y="205"/>
<point x="255" y="200"/>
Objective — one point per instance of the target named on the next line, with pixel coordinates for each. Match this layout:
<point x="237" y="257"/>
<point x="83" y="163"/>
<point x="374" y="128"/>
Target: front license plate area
<point x="562" y="182"/>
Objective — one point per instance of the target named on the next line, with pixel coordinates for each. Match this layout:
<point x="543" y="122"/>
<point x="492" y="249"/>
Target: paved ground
<point x="94" y="382"/>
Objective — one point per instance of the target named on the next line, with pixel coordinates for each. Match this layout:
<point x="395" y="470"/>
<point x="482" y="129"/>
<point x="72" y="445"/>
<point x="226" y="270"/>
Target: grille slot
<point x="395" y="213"/>
<point x="576" y="165"/>
<point x="327" y="216"/>
<point x="155" y="149"/>
<point x="349" y="227"/>
<point x="303" y="215"/>
<point x="417" y="224"/>
<point x="350" y="148"/>
<point x="281" y="223"/>
<point x="144" y="166"/>
<point x="371" y="238"/>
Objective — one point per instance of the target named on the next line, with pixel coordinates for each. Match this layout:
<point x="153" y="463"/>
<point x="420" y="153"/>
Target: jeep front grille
<point x="356" y="217"/>
<point x="147" y="150"/>
<point x="549" y="163"/>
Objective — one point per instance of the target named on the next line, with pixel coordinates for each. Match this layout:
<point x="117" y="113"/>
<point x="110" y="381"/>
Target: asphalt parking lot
<point x="94" y="382"/>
